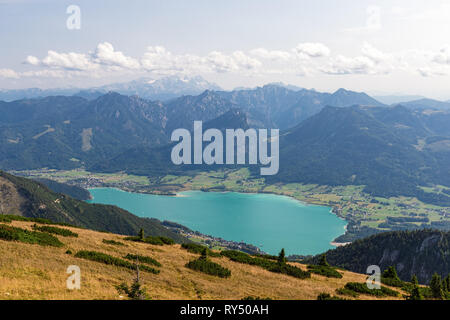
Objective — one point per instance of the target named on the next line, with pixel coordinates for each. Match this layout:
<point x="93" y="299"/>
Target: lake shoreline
<point x="333" y="209"/>
<point x="312" y="220"/>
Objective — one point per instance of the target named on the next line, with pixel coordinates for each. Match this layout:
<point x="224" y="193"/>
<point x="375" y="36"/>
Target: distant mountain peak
<point x="283" y="85"/>
<point x="345" y="98"/>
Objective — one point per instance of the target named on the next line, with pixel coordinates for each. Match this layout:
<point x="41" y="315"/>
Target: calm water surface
<point x="270" y="222"/>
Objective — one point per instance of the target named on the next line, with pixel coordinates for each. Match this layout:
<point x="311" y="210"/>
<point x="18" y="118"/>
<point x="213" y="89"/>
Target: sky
<point x="379" y="47"/>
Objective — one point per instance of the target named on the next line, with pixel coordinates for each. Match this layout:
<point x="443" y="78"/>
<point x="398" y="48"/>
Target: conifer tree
<point x="414" y="280"/>
<point x="282" y="257"/>
<point x="436" y="286"/>
<point x="141" y="234"/>
<point x="323" y="261"/>
<point x="204" y="254"/>
<point x="415" y="292"/>
<point x="135" y="291"/>
<point x="446" y="284"/>
<point x="391" y="273"/>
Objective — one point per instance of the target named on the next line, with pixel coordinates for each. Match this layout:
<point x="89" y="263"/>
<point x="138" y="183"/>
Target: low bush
<point x="327" y="296"/>
<point x="347" y="292"/>
<point x="407" y="286"/>
<point x="252" y="298"/>
<point x="207" y="266"/>
<point x="110" y="260"/>
<point x="326" y="271"/>
<point x="159" y="241"/>
<point x="363" y="289"/>
<point x="267" y="264"/>
<point x="4" y="219"/>
<point x="113" y="242"/>
<point x="166" y="240"/>
<point x="143" y="259"/>
<point x="198" y="249"/>
<point x="33" y="237"/>
<point x="265" y="256"/>
<point x="55" y="230"/>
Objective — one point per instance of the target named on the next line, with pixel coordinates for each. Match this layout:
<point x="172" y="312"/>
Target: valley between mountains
<point x="383" y="168"/>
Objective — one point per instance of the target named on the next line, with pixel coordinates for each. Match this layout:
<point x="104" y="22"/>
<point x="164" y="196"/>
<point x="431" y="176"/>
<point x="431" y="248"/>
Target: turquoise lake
<point x="270" y="222"/>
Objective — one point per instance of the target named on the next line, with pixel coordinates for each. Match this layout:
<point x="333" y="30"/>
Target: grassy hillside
<point x="28" y="198"/>
<point x="32" y="271"/>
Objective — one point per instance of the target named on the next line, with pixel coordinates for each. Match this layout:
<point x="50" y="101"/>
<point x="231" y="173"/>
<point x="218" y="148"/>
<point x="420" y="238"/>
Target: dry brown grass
<point x="36" y="272"/>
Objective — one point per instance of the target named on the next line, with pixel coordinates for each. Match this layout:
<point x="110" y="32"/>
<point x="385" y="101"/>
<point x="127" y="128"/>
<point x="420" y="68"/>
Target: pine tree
<point x="446" y="284"/>
<point x="134" y="292"/>
<point x="282" y="257"/>
<point x="323" y="261"/>
<point x="204" y="254"/>
<point x="414" y="280"/>
<point x="436" y="286"/>
<point x="390" y="273"/>
<point x="415" y="293"/>
<point x="141" y="234"/>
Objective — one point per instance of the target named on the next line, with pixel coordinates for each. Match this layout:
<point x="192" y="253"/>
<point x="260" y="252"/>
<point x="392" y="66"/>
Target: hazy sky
<point x="380" y="47"/>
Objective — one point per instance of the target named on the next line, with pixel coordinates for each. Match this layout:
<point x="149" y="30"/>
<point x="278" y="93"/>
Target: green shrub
<point x="135" y="291"/>
<point x="326" y="271"/>
<point x="362" y="288"/>
<point x="267" y="264"/>
<point x="113" y="242"/>
<point x="167" y="240"/>
<point x="347" y="292"/>
<point x="265" y="256"/>
<point x="208" y="267"/>
<point x="55" y="230"/>
<point x="33" y="237"/>
<point x="327" y="296"/>
<point x="252" y="298"/>
<point x="143" y="259"/>
<point x="159" y="241"/>
<point x="198" y="248"/>
<point x="4" y="219"/>
<point x="69" y="251"/>
<point x="110" y="260"/>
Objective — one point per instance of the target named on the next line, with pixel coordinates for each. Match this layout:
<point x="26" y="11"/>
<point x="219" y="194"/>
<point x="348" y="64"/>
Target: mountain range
<point x="338" y="138"/>
<point x="155" y="89"/>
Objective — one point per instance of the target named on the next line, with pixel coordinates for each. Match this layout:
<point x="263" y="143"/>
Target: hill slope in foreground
<point x="28" y="198"/>
<point x="32" y="271"/>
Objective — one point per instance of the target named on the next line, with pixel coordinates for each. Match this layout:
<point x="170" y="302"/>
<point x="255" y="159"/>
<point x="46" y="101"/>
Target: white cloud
<point x="69" y="61"/>
<point x="312" y="50"/>
<point x="372" y="61"/>
<point x="8" y="73"/>
<point x="159" y="60"/>
<point x="373" y="53"/>
<point x="271" y="54"/>
<point x="244" y="61"/>
<point x="32" y="60"/>
<point x="305" y="59"/>
<point x="344" y="65"/>
<point x="106" y="55"/>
